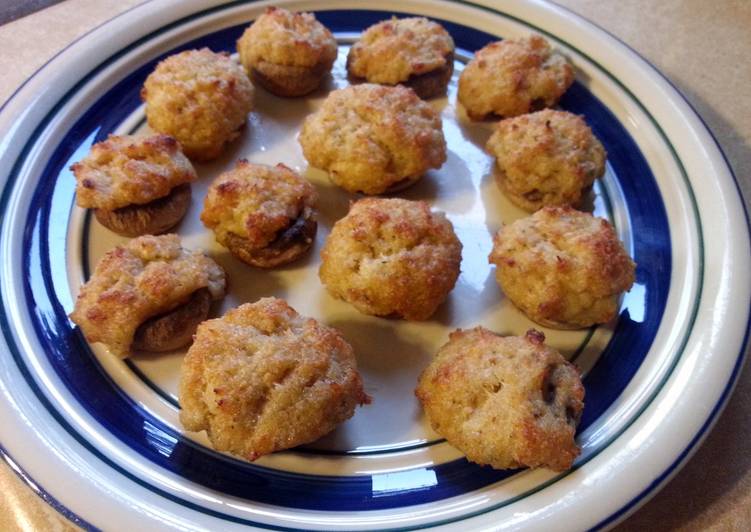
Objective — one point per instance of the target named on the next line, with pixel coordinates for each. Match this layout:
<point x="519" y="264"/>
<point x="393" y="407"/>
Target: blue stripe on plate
<point x="156" y="441"/>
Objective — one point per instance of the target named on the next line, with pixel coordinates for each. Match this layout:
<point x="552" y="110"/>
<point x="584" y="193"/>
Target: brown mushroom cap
<point x="175" y="328"/>
<point x="289" y="244"/>
<point x="432" y="83"/>
<point x="289" y="80"/>
<point x="154" y="218"/>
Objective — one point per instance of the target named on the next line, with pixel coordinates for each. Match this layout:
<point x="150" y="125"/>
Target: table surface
<point x="703" y="47"/>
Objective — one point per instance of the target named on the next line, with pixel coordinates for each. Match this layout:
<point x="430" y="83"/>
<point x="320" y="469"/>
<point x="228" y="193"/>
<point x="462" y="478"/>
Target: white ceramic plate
<point x="82" y="426"/>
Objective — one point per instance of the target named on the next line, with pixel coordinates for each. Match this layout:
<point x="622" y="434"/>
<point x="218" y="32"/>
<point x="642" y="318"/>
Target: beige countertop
<point x="703" y="47"/>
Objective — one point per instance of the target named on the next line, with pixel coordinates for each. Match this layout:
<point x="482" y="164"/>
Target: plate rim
<point x="724" y="397"/>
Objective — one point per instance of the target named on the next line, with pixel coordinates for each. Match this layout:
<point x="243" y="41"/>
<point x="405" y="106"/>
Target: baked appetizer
<point x="415" y="52"/>
<point x="265" y="215"/>
<point x="149" y="294"/>
<point x="546" y="158"/>
<point x="506" y="402"/>
<point x="199" y="97"/>
<point x="287" y="53"/>
<point x="563" y="268"/>
<point x="391" y="257"/>
<point x="262" y="378"/>
<point x="374" y="139"/>
<point x="136" y="185"/>
<point x="513" y="77"/>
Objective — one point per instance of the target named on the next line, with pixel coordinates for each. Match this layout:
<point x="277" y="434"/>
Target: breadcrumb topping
<point x="391" y="257"/>
<point x="513" y="77"/>
<point x="369" y="137"/>
<point x="199" y="97"/>
<point x="129" y="170"/>
<point x="563" y="268"/>
<point x="391" y="51"/>
<point x="546" y="158"/>
<point x="506" y="402"/>
<point x="287" y="38"/>
<point x="262" y="378"/>
<point x="146" y="277"/>
<point x="256" y="201"/>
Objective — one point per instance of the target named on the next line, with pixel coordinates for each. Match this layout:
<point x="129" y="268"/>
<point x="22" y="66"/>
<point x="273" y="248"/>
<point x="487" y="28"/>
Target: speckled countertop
<point x="703" y="47"/>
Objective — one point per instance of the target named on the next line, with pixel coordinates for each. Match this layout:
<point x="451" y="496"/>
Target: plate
<point x="83" y="426"/>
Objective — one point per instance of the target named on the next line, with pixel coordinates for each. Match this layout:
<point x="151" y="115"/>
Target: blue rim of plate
<point x="122" y="417"/>
<point x="737" y="365"/>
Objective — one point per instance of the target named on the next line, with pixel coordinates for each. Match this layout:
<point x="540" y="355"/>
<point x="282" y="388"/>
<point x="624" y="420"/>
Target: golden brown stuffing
<point x="127" y="170"/>
<point x="546" y="158"/>
<point x="257" y="203"/>
<point x="563" y="268"/>
<point x="504" y="401"/>
<point x="372" y="138"/>
<point x="262" y="378"/>
<point x="199" y="97"/>
<point x="402" y="50"/>
<point x="513" y="77"/>
<point x="391" y="257"/>
<point x="287" y="53"/>
<point x="144" y="278"/>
